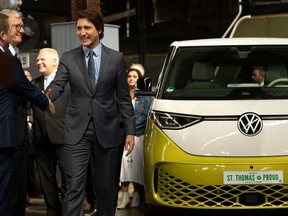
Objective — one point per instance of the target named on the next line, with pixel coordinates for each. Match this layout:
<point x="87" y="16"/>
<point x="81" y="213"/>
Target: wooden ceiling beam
<point x="118" y="16"/>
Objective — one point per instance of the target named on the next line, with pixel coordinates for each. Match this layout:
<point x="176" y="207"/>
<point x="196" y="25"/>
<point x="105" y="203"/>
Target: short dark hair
<point x="136" y="70"/>
<point x="95" y="17"/>
<point x="261" y="69"/>
<point x="4" y="24"/>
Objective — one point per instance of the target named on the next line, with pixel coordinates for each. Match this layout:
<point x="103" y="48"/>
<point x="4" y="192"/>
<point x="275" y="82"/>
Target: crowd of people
<point x="80" y="117"/>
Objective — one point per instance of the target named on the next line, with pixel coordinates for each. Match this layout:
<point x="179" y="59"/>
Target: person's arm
<point x="57" y="86"/>
<point x="23" y="87"/>
<point x="125" y="106"/>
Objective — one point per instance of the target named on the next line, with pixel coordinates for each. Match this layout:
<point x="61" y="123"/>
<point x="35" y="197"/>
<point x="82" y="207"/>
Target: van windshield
<point x="227" y="73"/>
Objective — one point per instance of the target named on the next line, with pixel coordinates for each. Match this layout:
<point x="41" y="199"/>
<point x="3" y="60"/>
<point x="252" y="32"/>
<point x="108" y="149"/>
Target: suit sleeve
<point x="24" y="88"/>
<point x="61" y="79"/>
<point x="124" y="100"/>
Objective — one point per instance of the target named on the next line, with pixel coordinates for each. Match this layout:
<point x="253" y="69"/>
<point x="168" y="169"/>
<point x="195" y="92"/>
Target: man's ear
<point x="55" y="62"/>
<point x="3" y="38"/>
<point x="3" y="35"/>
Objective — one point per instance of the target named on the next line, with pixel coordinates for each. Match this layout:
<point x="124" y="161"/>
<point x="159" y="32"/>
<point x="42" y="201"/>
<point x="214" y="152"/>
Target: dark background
<point x="145" y="36"/>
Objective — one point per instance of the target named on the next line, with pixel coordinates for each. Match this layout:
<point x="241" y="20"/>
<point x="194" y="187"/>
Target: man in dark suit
<point x="20" y="171"/>
<point x="48" y="134"/>
<point x="18" y="85"/>
<point x="92" y="116"/>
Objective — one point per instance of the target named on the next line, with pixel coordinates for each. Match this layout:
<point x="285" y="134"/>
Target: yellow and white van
<point x="214" y="138"/>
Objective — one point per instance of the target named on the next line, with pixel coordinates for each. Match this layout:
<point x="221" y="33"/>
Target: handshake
<point x="51" y="108"/>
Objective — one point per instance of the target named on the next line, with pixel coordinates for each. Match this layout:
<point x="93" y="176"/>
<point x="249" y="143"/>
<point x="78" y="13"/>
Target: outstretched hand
<point x="49" y="94"/>
<point x="51" y="108"/>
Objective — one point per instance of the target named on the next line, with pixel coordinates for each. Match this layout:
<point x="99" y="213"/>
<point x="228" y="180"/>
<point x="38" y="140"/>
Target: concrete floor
<point x="38" y="208"/>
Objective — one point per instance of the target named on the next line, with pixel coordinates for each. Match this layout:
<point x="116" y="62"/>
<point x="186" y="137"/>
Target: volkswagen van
<point x="214" y="138"/>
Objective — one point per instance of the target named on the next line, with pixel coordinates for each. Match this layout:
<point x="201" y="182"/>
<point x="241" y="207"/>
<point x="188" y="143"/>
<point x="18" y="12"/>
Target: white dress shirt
<point x="48" y="79"/>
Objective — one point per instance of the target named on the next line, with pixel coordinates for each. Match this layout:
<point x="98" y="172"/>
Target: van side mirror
<point x="145" y="87"/>
<point x="144" y="84"/>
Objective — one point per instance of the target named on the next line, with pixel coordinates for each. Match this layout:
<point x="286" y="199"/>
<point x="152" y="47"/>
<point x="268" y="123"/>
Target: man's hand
<point x="49" y="94"/>
<point x="129" y="144"/>
<point x="50" y="109"/>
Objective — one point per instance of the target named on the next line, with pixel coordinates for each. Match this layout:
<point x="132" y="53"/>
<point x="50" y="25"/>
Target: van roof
<point x="231" y="41"/>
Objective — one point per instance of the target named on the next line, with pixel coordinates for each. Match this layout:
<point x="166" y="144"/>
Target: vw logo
<point x="250" y="124"/>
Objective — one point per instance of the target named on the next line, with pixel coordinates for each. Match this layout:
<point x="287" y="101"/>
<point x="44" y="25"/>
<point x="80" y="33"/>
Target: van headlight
<point x="174" y="121"/>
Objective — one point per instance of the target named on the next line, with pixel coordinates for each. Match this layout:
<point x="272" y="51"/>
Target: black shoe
<point x="91" y="212"/>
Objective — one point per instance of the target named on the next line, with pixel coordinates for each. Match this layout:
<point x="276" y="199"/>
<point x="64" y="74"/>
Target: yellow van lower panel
<point x="175" y="178"/>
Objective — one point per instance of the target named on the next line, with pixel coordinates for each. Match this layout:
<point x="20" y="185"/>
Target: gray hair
<point x="12" y="13"/>
<point x="52" y="52"/>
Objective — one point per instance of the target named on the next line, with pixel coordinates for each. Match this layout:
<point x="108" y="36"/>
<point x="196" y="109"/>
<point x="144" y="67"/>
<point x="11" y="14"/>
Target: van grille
<point x="178" y="193"/>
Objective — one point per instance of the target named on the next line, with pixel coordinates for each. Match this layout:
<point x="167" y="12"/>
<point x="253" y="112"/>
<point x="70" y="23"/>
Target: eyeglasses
<point x="18" y="27"/>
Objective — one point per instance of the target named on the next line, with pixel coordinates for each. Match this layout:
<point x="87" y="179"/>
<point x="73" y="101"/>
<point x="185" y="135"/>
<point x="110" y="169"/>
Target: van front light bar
<point x="174" y="121"/>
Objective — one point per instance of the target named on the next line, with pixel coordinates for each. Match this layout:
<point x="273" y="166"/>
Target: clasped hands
<point x="51" y="108"/>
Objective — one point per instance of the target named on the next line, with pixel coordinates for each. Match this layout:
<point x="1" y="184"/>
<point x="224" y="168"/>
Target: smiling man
<point x="20" y="195"/>
<point x="17" y="27"/>
<point x="99" y="95"/>
<point x="13" y="175"/>
<point x="48" y="134"/>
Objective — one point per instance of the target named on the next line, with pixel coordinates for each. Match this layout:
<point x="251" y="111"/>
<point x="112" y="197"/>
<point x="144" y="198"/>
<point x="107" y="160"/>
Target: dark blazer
<point x="8" y="103"/>
<point x="53" y="123"/>
<point x="99" y="103"/>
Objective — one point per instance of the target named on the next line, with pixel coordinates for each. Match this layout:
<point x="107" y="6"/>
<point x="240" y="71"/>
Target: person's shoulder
<point x="111" y="51"/>
<point x="146" y="98"/>
<point x="74" y="51"/>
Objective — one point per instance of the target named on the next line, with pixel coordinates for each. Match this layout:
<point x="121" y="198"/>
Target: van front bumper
<point x="174" y="178"/>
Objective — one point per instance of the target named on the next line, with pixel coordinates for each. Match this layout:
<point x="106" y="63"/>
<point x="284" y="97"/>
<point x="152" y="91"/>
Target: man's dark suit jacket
<point x="98" y="103"/>
<point x="20" y="86"/>
<point x="53" y="124"/>
<point x="10" y="89"/>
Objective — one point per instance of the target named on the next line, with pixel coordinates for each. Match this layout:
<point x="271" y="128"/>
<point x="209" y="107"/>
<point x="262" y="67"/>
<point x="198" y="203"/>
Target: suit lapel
<point x="105" y="58"/>
<point x="41" y="83"/>
<point x="80" y="60"/>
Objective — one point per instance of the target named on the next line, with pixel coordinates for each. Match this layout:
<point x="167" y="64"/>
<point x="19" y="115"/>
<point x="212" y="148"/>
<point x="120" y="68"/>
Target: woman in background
<point x="132" y="165"/>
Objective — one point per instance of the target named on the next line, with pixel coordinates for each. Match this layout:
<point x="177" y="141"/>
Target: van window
<point x="225" y="73"/>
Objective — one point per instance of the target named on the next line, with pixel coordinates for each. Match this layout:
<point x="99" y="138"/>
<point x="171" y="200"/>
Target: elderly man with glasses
<point x="19" y="177"/>
<point x="17" y="24"/>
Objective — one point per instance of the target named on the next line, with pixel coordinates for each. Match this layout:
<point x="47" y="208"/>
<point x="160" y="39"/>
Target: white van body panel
<point x="224" y="138"/>
<point x="230" y="41"/>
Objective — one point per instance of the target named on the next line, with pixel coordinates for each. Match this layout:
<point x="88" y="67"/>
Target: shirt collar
<point x="12" y="50"/>
<point x="97" y="50"/>
<point x="51" y="76"/>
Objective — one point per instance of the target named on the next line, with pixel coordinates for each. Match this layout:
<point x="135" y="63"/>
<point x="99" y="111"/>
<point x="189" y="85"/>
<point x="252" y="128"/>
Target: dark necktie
<point x="91" y="69"/>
